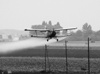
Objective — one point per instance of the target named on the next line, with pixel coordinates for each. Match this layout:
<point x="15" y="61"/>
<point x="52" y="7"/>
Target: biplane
<point x="49" y="34"/>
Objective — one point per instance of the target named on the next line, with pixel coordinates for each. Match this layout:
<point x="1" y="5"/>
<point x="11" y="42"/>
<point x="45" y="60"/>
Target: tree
<point x="85" y="27"/>
<point x="76" y="36"/>
<point x="50" y="23"/>
<point x="97" y="35"/>
<point x="44" y="24"/>
<point x="57" y="25"/>
<point x="79" y="35"/>
<point x="0" y="36"/>
<point x="87" y="31"/>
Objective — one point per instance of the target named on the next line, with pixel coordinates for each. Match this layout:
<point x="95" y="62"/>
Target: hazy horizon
<point x="21" y="14"/>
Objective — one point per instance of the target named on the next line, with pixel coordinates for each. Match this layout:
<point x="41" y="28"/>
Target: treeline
<point x="48" y="25"/>
<point x="79" y="35"/>
<point x="82" y="35"/>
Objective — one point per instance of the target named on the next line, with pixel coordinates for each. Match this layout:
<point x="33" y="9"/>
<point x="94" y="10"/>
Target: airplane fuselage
<point x="51" y="34"/>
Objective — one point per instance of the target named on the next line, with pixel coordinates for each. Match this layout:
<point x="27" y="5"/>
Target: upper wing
<point x="65" y="29"/>
<point x="41" y="30"/>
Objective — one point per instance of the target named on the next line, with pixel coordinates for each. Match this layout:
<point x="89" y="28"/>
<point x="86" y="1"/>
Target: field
<point x="56" y="51"/>
<point x="33" y="47"/>
<point x="36" y="64"/>
<point x="32" y="59"/>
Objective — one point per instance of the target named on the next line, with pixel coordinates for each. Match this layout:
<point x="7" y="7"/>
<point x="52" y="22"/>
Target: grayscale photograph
<point x="49" y="36"/>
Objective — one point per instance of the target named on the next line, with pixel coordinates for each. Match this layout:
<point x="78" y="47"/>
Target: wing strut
<point x="36" y="32"/>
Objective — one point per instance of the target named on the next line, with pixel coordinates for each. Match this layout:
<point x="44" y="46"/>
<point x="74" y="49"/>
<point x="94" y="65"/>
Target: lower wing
<point x="63" y="35"/>
<point x="38" y="36"/>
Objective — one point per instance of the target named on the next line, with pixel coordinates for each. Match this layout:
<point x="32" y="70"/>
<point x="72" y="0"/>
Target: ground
<point x="32" y="58"/>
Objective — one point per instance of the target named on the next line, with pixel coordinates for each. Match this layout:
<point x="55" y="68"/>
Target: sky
<point x="21" y="14"/>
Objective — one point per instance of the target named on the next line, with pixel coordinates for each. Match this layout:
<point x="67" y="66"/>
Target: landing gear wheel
<point x="57" y="40"/>
<point x="31" y="35"/>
